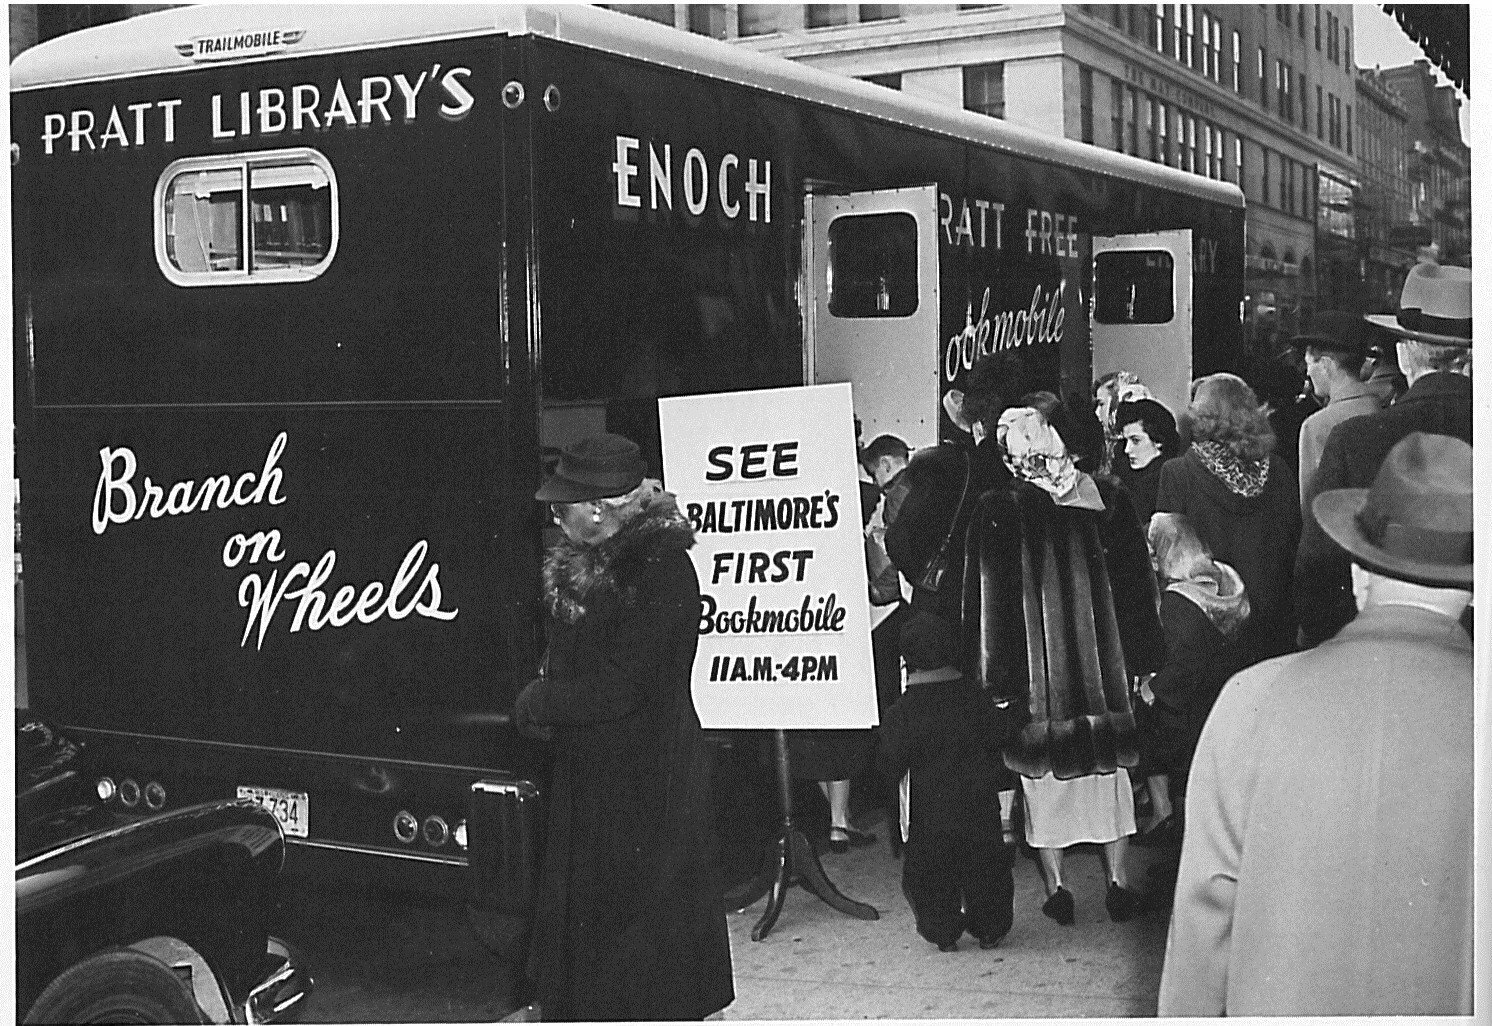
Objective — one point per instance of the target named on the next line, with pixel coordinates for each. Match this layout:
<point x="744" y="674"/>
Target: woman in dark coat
<point x="1148" y="434"/>
<point x="1203" y="607"/>
<point x="1066" y="603"/>
<point x="631" y="919"/>
<point x="1243" y="503"/>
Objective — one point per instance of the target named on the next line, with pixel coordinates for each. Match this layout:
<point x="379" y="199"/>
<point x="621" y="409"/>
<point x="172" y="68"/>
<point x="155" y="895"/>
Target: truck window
<point x="289" y="234"/>
<point x="873" y="265"/>
<point x="1133" y="287"/>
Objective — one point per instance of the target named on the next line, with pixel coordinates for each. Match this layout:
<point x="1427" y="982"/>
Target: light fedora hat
<point x="1435" y="306"/>
<point x="1415" y="523"/>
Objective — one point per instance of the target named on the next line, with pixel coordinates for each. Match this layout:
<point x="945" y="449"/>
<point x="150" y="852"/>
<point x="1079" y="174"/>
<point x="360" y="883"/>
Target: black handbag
<point x="937" y="568"/>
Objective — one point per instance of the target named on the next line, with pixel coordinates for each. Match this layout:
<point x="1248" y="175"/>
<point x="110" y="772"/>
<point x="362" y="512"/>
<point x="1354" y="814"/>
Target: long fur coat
<point x="1066" y="605"/>
<point x="631" y="918"/>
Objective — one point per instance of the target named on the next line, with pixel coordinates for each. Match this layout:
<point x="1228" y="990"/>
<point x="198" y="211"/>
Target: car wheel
<point x="116" y="986"/>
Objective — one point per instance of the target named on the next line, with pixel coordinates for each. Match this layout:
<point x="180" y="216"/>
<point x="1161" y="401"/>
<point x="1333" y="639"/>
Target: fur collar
<point x="575" y="575"/>
<point x="1220" y="597"/>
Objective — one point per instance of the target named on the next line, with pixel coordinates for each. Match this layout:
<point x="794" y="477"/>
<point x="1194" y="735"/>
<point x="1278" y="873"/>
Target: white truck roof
<point x="167" y="41"/>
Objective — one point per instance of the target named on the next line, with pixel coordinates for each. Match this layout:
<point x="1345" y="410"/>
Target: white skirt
<point x="1094" y="809"/>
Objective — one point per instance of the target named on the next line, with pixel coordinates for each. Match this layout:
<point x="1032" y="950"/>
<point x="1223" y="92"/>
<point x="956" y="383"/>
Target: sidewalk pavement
<point x="818" y="963"/>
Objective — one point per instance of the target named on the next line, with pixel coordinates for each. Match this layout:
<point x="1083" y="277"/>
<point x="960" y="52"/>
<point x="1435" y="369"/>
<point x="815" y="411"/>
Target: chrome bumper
<point x="286" y="984"/>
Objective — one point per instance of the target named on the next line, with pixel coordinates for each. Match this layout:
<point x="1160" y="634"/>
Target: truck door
<point x="871" y="306"/>
<point x="1141" y="315"/>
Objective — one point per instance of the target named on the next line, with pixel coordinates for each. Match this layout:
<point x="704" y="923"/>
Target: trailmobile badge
<point x="768" y="481"/>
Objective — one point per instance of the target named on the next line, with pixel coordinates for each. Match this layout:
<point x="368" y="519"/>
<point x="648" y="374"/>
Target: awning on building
<point x="1443" y="32"/>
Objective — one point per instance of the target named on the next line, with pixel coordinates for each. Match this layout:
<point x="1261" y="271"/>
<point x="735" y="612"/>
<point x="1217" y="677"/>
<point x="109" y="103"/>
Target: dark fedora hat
<point x="595" y="467"/>
<point x="1415" y="523"/>
<point x="1336" y="331"/>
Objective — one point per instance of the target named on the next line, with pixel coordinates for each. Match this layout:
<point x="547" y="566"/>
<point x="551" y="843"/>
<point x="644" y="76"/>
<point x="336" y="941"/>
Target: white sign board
<point x="769" y="481"/>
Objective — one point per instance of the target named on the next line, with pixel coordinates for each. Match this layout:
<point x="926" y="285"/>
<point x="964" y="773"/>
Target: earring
<point x="595" y="514"/>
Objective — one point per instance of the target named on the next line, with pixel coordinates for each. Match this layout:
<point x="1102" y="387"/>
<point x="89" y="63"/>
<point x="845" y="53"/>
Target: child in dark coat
<point x="956" y="867"/>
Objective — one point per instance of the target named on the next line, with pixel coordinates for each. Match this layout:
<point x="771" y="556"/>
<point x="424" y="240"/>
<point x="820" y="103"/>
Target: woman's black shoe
<point x="1060" y="907"/>
<point x="1165" y="834"/>
<point x="1123" y="904"/>
<point x="842" y="839"/>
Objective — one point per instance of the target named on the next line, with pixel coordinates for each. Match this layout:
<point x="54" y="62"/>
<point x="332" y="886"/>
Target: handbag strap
<point x="942" y="553"/>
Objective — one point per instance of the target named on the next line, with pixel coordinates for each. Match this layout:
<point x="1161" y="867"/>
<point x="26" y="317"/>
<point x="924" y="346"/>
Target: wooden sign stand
<point x="790" y="859"/>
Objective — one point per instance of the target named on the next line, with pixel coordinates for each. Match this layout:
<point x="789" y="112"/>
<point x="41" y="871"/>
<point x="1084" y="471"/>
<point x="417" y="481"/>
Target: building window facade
<point x="1237" y="62"/>
<point x="708" y="20"/>
<point x="1116" y="88"/>
<point x="756" y="19"/>
<point x="826" y="15"/>
<point x="984" y="89"/>
<point x="1085" y="102"/>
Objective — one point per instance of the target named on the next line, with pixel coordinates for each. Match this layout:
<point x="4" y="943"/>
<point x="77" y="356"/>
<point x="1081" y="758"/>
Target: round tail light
<point x="106" y="789"/>
<point x="129" y="793"/>
<point x="436" y="831"/>
<point x="155" y="795"/>
<point x="406" y="827"/>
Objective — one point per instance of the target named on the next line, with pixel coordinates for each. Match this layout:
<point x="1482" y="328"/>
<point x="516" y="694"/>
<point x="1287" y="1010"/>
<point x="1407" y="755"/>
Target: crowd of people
<point x="1090" y="598"/>
<point x="1118" y="569"/>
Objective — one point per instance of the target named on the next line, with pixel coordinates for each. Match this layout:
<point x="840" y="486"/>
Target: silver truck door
<point x="1141" y="315"/>
<point x="871" y="306"/>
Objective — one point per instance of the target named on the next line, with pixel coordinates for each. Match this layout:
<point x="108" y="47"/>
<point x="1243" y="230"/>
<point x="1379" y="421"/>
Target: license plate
<point x="291" y="808"/>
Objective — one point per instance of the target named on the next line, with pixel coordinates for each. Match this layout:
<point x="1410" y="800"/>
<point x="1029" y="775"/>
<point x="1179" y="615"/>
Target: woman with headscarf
<point x="1242" y="501"/>
<point x="1066" y="603"/>
<point x="1203" y="606"/>
<point x="1109" y="392"/>
<point x="1147" y="432"/>
<point x="631" y="919"/>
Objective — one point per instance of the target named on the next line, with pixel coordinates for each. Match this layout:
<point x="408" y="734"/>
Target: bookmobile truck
<point x="304" y="297"/>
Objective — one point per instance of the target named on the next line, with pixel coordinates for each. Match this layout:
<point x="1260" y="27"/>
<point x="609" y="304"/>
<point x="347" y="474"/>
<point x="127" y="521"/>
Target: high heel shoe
<point x="1165" y="834"/>
<point x="842" y="839"/>
<point x="1060" y="907"/>
<point x="1123" y="904"/>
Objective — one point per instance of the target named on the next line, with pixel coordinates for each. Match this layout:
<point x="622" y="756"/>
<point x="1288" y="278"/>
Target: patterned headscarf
<point x="1035" y="453"/>
<point x="1123" y="387"/>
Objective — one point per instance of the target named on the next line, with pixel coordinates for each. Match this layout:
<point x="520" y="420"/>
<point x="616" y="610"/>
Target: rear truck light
<point x="406" y="827"/>
<point x="436" y="832"/>
<point x="105" y="788"/>
<point x="155" y="795"/>
<point x="129" y="793"/>
<point x="459" y="833"/>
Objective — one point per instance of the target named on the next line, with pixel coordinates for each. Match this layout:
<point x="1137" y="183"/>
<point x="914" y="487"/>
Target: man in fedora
<point x="1334" y="351"/>
<point x="1327" y="863"/>
<point x="1433" y="328"/>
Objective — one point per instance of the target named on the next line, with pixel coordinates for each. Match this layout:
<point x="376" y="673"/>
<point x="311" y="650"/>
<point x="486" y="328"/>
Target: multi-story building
<point x="34" y="23"/>
<point x="1439" y="160"/>
<point x="1259" y="94"/>
<point x="1387" y="241"/>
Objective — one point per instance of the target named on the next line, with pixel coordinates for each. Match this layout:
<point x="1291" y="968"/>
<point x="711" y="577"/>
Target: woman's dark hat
<point x="596" y="467"/>
<point x="1336" y="331"/>
<point x="1415" y="523"/>
<point x="1434" y="307"/>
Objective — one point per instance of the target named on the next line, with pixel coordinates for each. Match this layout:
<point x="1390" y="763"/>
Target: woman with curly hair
<point x="1241" y="500"/>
